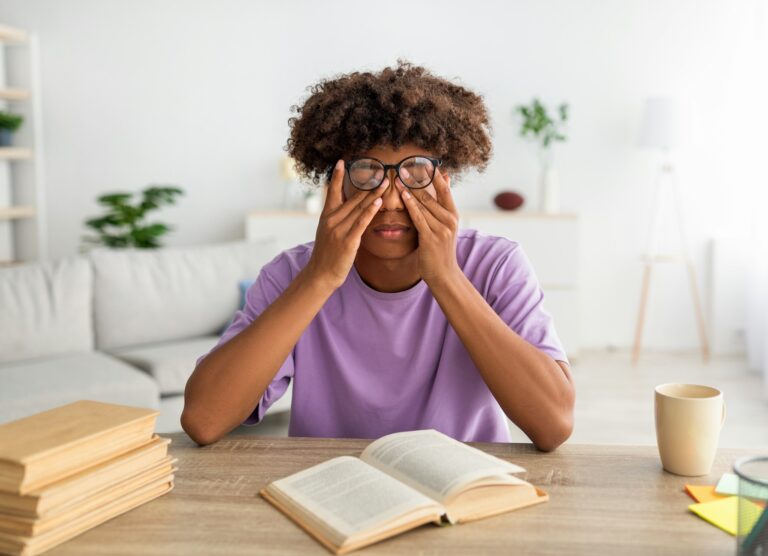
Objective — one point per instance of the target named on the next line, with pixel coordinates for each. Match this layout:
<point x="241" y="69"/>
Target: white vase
<point x="293" y="196"/>
<point x="549" y="190"/>
<point x="313" y="203"/>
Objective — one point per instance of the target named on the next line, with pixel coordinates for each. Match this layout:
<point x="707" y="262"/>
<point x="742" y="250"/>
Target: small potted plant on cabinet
<point x="9" y="123"/>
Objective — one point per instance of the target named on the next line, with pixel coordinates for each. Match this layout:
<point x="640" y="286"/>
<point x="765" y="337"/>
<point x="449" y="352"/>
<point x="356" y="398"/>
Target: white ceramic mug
<point x="688" y="422"/>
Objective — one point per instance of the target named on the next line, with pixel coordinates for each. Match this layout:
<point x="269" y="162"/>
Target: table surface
<point x="603" y="500"/>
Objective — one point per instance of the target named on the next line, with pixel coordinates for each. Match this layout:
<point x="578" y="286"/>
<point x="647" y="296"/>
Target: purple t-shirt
<point x="371" y="363"/>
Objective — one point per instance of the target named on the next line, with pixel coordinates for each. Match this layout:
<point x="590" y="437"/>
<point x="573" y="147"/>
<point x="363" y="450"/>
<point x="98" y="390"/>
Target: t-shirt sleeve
<point x="258" y="297"/>
<point x="515" y="295"/>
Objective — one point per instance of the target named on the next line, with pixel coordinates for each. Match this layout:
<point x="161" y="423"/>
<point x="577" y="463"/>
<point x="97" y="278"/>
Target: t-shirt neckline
<point x="413" y="291"/>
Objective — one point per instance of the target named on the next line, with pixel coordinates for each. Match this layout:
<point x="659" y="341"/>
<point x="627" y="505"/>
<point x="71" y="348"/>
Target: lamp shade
<point x="658" y="128"/>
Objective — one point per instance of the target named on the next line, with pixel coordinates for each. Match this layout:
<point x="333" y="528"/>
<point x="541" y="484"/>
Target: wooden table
<point x="603" y="500"/>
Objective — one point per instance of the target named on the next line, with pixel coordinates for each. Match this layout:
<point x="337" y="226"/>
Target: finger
<point x="333" y="199"/>
<point x="415" y="212"/>
<point x="352" y="203"/>
<point x="443" y="188"/>
<point x="433" y="206"/>
<point x="362" y="222"/>
<point x="434" y="223"/>
<point x="362" y="205"/>
<point x="433" y="210"/>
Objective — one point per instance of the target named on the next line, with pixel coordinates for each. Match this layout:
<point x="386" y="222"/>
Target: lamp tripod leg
<point x="699" y="312"/>
<point x="641" y="313"/>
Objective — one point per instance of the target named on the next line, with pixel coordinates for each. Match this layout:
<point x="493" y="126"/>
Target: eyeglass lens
<point x="415" y="172"/>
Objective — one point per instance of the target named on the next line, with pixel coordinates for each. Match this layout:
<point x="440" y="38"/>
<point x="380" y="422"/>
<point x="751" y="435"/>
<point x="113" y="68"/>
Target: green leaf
<point x="537" y="122"/>
<point x="123" y="225"/>
<point x="10" y="121"/>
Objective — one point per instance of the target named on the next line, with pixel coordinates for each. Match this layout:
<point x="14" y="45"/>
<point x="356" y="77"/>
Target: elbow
<point x="556" y="434"/>
<point x="554" y="438"/>
<point x="561" y="426"/>
<point x="198" y="431"/>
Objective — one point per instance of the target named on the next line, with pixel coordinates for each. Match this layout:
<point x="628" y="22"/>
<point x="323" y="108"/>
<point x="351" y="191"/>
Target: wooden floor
<point x="614" y="399"/>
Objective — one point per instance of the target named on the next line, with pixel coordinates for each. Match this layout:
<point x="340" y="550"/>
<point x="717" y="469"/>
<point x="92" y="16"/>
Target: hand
<point x="340" y="228"/>
<point x="436" y="220"/>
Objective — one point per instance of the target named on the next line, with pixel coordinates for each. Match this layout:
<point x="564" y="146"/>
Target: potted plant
<point x="544" y="129"/>
<point x="9" y="123"/>
<point x="124" y="223"/>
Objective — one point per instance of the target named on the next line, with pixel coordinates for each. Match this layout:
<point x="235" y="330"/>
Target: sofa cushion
<point x="169" y="363"/>
<point x="148" y="296"/>
<point x="39" y="384"/>
<point x="45" y="309"/>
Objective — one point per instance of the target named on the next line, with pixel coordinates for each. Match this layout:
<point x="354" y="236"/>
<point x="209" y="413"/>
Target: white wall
<point x="198" y="93"/>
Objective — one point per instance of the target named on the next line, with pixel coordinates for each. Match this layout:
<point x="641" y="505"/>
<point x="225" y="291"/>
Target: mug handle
<point x="722" y="421"/>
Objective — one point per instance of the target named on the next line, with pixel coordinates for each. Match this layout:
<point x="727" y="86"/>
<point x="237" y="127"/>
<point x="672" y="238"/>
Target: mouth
<point x="391" y="231"/>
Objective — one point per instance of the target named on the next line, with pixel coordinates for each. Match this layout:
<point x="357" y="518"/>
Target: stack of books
<point x="69" y="469"/>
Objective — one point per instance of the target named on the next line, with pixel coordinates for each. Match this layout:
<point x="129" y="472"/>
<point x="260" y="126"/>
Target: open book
<point x="400" y="481"/>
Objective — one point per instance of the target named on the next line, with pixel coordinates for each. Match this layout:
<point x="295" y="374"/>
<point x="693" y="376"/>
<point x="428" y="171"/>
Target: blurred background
<point x="664" y="138"/>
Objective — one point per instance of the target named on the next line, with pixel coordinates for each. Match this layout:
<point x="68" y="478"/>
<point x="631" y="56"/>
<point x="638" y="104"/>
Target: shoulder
<point x="474" y="248"/>
<point x="489" y="260"/>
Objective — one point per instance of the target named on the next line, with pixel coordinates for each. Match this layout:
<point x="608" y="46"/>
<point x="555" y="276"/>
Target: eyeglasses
<point x="416" y="172"/>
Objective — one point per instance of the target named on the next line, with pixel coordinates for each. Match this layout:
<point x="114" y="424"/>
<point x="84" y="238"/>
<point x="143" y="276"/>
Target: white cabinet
<point x="551" y="241"/>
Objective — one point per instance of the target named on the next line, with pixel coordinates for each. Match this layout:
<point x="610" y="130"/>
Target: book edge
<point x="317" y="535"/>
<point x="28" y="544"/>
<point x="24" y="460"/>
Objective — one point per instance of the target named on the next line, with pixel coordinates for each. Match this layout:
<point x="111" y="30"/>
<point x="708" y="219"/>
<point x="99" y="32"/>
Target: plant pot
<point x="6" y="138"/>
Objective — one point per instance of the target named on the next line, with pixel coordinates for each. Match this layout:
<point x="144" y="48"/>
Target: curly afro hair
<point x="354" y="112"/>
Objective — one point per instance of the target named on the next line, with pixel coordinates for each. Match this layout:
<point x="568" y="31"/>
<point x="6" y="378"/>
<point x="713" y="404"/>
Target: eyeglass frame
<point x="437" y="162"/>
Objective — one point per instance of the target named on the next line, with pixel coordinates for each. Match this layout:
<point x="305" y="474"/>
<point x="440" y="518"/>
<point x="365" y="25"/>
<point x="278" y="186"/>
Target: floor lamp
<point x="658" y="132"/>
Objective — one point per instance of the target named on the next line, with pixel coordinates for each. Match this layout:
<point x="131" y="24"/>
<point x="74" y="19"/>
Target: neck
<point x="388" y="275"/>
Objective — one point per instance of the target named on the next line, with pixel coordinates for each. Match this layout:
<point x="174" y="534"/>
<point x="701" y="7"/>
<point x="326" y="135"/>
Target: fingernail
<point x="377" y="201"/>
<point x="339" y="164"/>
<point x="406" y="194"/>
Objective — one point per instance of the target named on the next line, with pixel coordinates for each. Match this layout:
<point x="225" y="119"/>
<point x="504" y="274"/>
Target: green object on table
<point x="729" y="484"/>
<point x="758" y="533"/>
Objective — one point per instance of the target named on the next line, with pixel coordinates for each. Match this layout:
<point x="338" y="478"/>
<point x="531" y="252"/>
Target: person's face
<point x="376" y="239"/>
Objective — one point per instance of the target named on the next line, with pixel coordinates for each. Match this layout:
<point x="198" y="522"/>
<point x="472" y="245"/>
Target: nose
<point x="391" y="199"/>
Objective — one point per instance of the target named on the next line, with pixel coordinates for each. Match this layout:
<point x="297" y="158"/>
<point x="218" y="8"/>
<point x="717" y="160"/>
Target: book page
<point x="434" y="463"/>
<point x="351" y="496"/>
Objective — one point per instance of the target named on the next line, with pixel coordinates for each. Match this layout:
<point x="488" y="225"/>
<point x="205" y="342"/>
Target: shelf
<point x="498" y="213"/>
<point x="15" y="153"/>
<point x="12" y="35"/>
<point x="8" y="264"/>
<point x="14" y="94"/>
<point x="468" y="214"/>
<point x="665" y="259"/>
<point x="7" y="213"/>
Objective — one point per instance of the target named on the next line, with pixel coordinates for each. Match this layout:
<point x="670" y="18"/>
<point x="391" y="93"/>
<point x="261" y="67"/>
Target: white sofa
<point x="123" y="326"/>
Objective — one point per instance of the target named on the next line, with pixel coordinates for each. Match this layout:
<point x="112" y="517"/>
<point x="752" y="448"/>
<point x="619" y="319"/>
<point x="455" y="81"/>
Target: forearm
<point x="229" y="382"/>
<point x="532" y="389"/>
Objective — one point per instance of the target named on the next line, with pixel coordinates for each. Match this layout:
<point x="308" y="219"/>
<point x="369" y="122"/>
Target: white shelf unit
<point x="22" y="201"/>
<point x="551" y="242"/>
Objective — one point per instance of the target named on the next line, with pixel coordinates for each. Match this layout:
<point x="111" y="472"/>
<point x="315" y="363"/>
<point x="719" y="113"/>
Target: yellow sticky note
<point x="703" y="493"/>
<point x="724" y="513"/>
